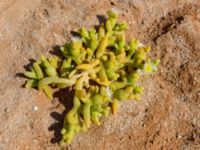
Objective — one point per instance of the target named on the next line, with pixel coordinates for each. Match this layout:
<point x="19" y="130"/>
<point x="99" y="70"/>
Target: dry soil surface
<point x="168" y="115"/>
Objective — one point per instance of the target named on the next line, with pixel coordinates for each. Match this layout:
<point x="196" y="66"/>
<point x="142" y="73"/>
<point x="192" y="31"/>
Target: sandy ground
<point x="168" y="115"/>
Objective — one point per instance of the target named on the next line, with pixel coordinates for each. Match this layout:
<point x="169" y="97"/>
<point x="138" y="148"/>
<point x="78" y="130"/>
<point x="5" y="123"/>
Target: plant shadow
<point x="65" y="97"/>
<point x="56" y="51"/>
<point x="101" y="18"/>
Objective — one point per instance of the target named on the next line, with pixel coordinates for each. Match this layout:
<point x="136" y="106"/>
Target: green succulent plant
<point x="100" y="67"/>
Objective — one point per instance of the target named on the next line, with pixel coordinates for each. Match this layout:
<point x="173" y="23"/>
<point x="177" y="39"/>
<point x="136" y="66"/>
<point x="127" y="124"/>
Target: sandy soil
<point x="168" y="116"/>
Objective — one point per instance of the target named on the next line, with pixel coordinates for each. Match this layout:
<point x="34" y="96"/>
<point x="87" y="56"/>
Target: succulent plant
<point x="100" y="67"/>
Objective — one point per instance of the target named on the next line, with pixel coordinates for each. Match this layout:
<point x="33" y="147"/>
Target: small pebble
<point x="35" y="108"/>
